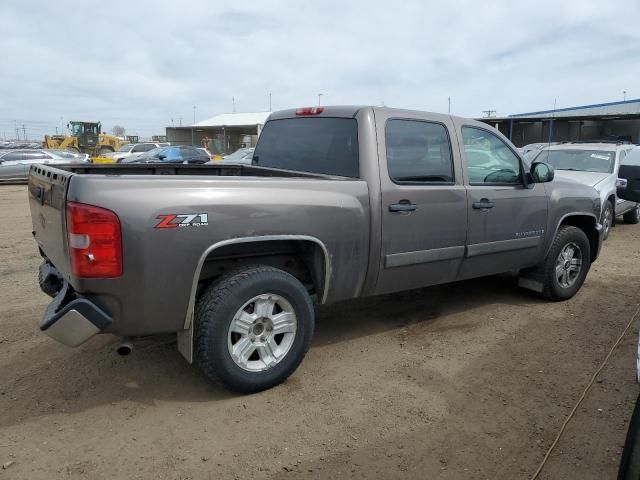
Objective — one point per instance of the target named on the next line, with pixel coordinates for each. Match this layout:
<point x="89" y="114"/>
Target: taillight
<point x="95" y="242"/>
<point x="309" y="110"/>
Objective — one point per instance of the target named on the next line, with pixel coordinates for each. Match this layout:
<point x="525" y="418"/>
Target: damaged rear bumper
<point x="71" y="320"/>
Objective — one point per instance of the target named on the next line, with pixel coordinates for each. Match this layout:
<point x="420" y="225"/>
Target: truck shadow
<point x="46" y="379"/>
<point x="350" y="319"/>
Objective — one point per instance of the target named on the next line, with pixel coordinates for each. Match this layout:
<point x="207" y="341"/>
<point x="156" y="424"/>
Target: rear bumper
<point x="72" y="321"/>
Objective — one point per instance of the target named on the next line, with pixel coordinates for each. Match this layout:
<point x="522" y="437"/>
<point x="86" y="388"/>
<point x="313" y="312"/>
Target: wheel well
<point x="587" y="224"/>
<point x="304" y="259"/>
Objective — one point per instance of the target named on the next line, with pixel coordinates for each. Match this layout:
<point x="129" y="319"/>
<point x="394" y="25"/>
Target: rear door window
<point x="12" y="157"/>
<point x="317" y="145"/>
<point x="418" y="152"/>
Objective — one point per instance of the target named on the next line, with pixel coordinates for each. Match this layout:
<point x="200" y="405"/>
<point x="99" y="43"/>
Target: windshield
<point x="319" y="145"/>
<point x="125" y="148"/>
<point x="581" y="160"/>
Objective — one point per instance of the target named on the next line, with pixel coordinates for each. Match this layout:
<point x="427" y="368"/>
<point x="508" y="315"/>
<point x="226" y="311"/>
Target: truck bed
<point x="240" y="203"/>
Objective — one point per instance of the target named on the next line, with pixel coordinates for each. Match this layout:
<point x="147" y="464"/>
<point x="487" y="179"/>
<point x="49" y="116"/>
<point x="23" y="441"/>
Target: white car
<point x="133" y="150"/>
<point x="597" y="165"/>
<point x="15" y="164"/>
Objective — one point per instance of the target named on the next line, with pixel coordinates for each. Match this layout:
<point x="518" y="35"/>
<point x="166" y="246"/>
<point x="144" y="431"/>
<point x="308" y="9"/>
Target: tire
<point x="607" y="219"/>
<point x="556" y="285"/>
<point x="632" y="216"/>
<point x="630" y="459"/>
<point x="239" y="302"/>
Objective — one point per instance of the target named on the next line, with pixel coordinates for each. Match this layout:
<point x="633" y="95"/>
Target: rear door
<point x="506" y="217"/>
<point x="424" y="205"/>
<point x="11" y="166"/>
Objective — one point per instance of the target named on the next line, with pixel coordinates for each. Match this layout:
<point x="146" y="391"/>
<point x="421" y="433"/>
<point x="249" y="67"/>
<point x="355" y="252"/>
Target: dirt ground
<point x="471" y="380"/>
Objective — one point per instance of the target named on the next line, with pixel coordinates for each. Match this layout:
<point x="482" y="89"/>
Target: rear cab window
<point x="323" y="145"/>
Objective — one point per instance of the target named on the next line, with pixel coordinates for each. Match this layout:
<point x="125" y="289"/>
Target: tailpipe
<point x="124" y="348"/>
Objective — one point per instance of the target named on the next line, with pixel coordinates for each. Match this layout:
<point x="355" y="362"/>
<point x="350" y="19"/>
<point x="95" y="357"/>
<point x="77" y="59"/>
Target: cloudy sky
<point x="145" y="64"/>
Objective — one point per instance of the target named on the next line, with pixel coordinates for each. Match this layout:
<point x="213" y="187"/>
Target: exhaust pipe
<point x="124" y="348"/>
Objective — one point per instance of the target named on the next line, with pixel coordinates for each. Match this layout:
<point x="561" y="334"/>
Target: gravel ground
<point x="470" y="380"/>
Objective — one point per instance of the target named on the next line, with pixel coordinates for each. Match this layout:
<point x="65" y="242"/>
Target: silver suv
<point x="597" y="165"/>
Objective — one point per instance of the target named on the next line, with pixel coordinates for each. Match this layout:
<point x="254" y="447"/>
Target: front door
<point x="507" y="217"/>
<point x="424" y="204"/>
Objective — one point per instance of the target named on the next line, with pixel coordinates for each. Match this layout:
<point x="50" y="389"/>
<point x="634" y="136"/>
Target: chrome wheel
<point x="262" y="332"/>
<point x="568" y="265"/>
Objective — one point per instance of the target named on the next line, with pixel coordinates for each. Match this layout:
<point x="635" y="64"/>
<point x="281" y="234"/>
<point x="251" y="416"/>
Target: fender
<point x="185" y="337"/>
<point x="571" y="214"/>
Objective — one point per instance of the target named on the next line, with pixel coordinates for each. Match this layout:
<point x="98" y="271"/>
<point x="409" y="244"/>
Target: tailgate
<point x="47" y="194"/>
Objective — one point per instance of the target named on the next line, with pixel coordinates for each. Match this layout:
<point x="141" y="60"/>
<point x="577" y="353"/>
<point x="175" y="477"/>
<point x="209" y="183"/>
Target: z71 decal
<point x="183" y="220"/>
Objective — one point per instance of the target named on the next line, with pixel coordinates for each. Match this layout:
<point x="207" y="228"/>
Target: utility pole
<point x="194" y="114"/>
<point x="319" y="97"/>
<point x="233" y="101"/>
<point x="488" y="113"/>
<point x="269" y="101"/>
<point x="180" y="119"/>
<point x="24" y="132"/>
<point x="449" y="101"/>
<point x="624" y="95"/>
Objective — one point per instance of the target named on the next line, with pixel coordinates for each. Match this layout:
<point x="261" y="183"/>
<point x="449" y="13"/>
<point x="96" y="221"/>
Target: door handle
<point x="483" y="204"/>
<point x="403" y="206"/>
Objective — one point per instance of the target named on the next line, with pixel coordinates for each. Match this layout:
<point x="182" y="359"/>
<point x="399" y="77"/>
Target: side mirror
<point x="541" y="172"/>
<point x="628" y="182"/>
<point x="160" y="156"/>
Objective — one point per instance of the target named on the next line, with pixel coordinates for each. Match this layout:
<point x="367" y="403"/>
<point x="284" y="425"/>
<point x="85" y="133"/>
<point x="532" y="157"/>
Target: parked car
<point x="338" y="203"/>
<point x="67" y="154"/>
<point x="15" y="164"/>
<point x="629" y="189"/>
<point x="594" y="164"/>
<point x="242" y="155"/>
<point x="133" y="150"/>
<point x="171" y="154"/>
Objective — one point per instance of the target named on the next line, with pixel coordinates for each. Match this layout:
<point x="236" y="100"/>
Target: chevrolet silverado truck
<point x="337" y="203"/>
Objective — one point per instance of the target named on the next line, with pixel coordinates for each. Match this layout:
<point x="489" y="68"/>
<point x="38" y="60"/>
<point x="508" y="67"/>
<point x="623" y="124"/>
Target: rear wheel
<point x="567" y="264"/>
<point x="253" y="328"/>
<point x="607" y="219"/>
<point x="632" y="216"/>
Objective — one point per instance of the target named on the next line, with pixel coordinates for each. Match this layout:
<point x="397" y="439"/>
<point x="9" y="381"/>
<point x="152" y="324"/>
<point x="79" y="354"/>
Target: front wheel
<point x="253" y="328"/>
<point x="567" y="264"/>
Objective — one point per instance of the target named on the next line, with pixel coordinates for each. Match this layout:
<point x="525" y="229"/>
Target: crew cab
<point x="338" y="203"/>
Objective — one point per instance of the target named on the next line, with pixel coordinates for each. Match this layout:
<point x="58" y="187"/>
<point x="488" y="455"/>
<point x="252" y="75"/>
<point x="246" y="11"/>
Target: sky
<point x="146" y="64"/>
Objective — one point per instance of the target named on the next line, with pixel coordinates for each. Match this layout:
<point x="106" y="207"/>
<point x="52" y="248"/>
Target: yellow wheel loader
<point x="85" y="137"/>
